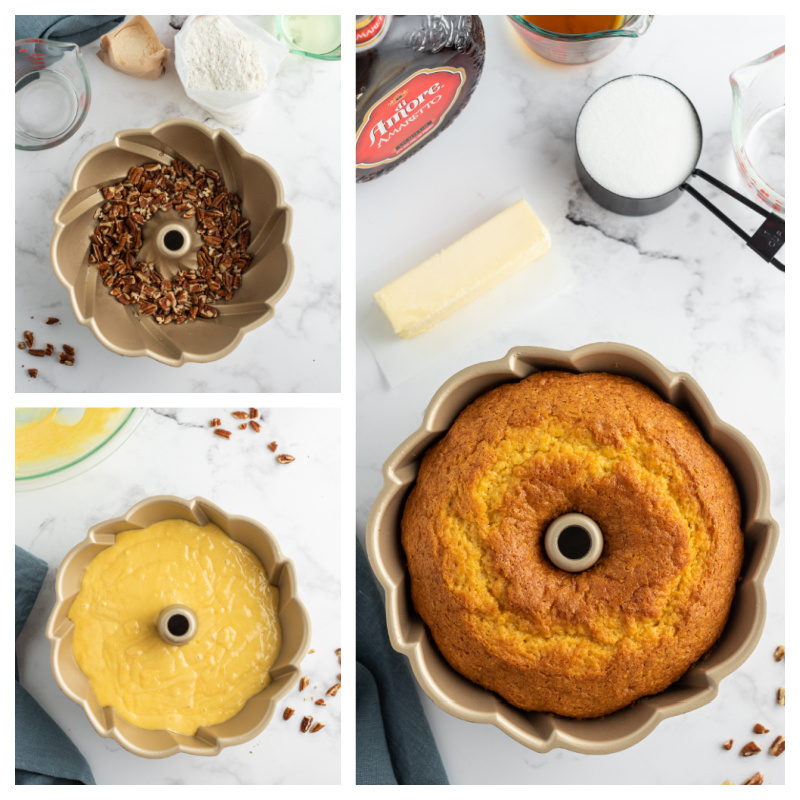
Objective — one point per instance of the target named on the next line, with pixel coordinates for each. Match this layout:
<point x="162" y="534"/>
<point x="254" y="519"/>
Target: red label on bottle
<point x="407" y="115"/>
<point x="370" y="30"/>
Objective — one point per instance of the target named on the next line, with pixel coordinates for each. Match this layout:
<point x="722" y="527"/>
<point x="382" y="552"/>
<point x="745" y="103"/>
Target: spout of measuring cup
<point x="635" y="25"/>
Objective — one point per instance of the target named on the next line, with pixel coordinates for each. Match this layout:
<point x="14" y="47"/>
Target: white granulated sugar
<point x="221" y="57"/>
<point x="638" y="137"/>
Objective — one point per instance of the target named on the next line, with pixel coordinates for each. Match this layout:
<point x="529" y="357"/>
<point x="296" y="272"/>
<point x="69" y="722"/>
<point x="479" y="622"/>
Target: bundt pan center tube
<point x="644" y="452"/>
<point x="573" y="542"/>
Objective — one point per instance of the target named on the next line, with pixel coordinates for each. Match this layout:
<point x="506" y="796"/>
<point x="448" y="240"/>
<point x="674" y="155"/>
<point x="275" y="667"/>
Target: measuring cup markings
<point x="758" y="126"/>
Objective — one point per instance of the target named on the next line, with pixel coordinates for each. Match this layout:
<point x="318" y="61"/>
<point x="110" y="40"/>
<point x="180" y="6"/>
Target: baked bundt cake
<point x="588" y="643"/>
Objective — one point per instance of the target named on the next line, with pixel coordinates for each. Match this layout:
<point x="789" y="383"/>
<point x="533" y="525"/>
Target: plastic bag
<point x="233" y="108"/>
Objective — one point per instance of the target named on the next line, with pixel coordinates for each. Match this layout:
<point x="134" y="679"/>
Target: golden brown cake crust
<point x="577" y="644"/>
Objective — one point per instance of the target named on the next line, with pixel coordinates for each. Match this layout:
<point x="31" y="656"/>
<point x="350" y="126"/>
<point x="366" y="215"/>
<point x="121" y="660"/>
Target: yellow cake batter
<point x="54" y="434"/>
<point x="151" y="683"/>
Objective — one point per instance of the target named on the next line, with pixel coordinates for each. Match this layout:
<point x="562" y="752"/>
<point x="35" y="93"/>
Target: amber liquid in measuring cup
<point x="576" y="24"/>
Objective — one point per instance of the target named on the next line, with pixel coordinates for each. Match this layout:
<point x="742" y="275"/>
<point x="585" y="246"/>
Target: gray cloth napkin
<point x="78" y="28"/>
<point x="394" y="743"/>
<point x="43" y="753"/>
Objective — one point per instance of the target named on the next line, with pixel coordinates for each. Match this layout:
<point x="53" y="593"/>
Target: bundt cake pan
<point x="119" y="327"/>
<point x="539" y="731"/>
<point x="285" y="672"/>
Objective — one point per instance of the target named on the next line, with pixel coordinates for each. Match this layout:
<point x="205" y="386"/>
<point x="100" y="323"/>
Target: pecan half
<point x="253" y="413"/>
<point x="33" y="372"/>
<point x="284" y="458"/>
<point x="223" y="433"/>
<point x="240" y="415"/>
<point x="781" y="697"/>
<point x="317" y="728"/>
<point x="778" y="746"/>
<point x="755" y="780"/>
<point x="320" y="702"/>
<point x="288" y="712"/>
<point x="36" y="352"/>
<point x="28" y="336"/>
<point x="334" y="690"/>
<point x="780" y="653"/>
<point x="305" y="724"/>
<point x="216" y="422"/>
<point x="255" y="426"/>
<point x="750" y="749"/>
<point x="304" y="683"/>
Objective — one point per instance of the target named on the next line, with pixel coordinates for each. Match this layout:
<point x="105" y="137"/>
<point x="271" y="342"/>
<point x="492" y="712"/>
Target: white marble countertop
<point x="298" y="502"/>
<point x="678" y="285"/>
<point x="298" y="133"/>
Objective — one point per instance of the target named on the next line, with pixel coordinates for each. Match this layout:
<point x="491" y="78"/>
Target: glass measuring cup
<point x="51" y="92"/>
<point x="759" y="126"/>
<point x="638" y="139"/>
<point x="313" y="35"/>
<point x="581" y="48"/>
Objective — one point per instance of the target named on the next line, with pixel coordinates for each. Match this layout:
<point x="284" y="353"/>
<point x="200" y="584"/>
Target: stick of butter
<point x="464" y="270"/>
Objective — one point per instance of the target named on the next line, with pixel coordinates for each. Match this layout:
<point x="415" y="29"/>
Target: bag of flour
<point x="225" y="64"/>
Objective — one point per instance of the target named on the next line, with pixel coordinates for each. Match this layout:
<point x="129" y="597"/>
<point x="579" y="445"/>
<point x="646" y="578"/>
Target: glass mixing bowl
<point x="312" y="35"/>
<point x="78" y="451"/>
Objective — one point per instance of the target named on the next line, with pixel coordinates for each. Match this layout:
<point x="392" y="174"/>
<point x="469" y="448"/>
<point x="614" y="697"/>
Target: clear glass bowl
<point x="36" y="473"/>
<point x="52" y="93"/>
<point x="759" y="126"/>
<point x="312" y="35"/>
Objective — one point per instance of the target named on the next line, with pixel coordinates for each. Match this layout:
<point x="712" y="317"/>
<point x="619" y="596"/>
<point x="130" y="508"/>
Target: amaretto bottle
<point x="414" y="75"/>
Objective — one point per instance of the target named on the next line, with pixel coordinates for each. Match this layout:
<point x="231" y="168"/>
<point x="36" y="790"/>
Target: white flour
<point x="220" y="57"/>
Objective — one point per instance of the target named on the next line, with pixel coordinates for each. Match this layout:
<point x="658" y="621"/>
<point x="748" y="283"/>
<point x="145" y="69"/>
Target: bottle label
<point x="408" y="115"/>
<point x="370" y="29"/>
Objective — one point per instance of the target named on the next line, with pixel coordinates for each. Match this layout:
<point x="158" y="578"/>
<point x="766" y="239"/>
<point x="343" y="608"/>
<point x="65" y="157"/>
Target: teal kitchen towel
<point x="394" y="743"/>
<point x="44" y="754"/>
<point x="78" y="28"/>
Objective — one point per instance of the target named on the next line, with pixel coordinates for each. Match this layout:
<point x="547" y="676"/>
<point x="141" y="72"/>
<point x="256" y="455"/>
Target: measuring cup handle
<point x="766" y="241"/>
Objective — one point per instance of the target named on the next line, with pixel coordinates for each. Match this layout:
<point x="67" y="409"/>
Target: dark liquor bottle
<point x="414" y="75"/>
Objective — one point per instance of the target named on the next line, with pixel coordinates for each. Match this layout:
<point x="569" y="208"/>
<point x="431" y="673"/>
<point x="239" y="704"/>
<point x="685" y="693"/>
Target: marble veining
<point x="678" y="284"/>
<point x="174" y="451"/>
<point x="298" y="133"/>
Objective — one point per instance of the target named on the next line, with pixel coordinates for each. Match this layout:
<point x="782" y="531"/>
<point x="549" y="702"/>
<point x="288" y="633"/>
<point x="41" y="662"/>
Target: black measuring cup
<point x="766" y="241"/>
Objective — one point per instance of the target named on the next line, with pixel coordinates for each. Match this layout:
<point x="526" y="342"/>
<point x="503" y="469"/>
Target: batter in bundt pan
<point x="580" y="644"/>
